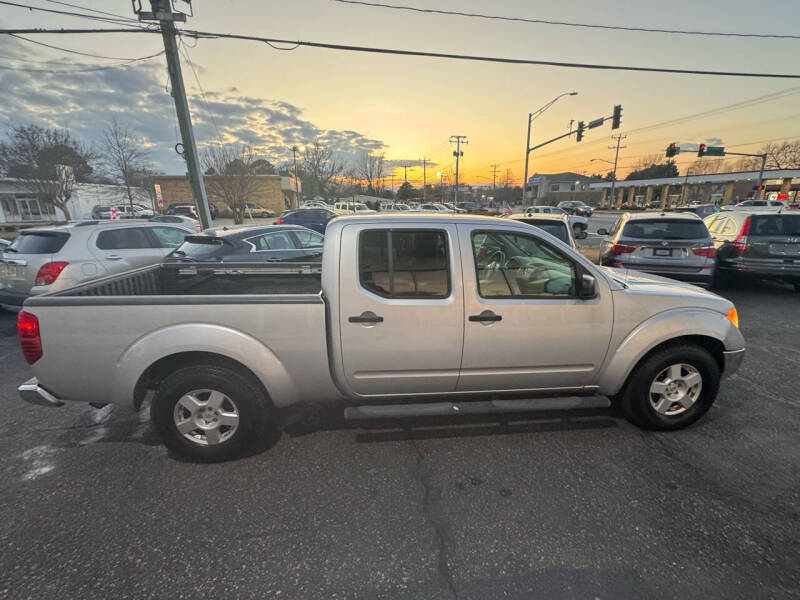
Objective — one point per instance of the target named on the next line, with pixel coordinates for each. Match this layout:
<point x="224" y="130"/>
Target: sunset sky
<point x="410" y="106"/>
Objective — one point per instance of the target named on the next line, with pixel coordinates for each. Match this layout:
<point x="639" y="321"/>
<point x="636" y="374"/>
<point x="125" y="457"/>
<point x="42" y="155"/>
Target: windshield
<point x="665" y="229"/>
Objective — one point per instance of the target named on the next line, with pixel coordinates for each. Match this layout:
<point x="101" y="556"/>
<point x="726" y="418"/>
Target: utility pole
<point x="424" y="177"/>
<point x="458" y="139"/>
<point x="494" y="182"/>
<point x="295" y="150"/>
<point x="405" y="173"/>
<point x="162" y="12"/>
<point x="619" y="137"/>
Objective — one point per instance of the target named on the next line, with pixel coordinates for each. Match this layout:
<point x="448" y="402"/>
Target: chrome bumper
<point x="733" y="361"/>
<point x="32" y="392"/>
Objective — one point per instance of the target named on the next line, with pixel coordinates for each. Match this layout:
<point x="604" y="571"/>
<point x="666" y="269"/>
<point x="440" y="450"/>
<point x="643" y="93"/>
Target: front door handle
<point x="113" y="257"/>
<point x="367" y="317"/>
<point x="486" y="316"/>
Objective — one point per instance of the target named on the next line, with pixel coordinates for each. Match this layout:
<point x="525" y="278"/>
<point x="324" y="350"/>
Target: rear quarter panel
<point x="98" y="353"/>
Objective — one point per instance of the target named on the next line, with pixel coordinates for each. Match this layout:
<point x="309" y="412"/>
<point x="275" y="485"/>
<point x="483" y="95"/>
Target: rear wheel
<point x="208" y="413"/>
<point x="672" y="388"/>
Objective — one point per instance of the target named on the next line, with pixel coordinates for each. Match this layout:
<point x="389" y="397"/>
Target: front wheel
<point x="208" y="413"/>
<point x="672" y="388"/>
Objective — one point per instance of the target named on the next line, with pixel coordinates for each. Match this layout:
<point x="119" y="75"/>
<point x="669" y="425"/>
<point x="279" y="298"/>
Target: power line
<point x="568" y="23"/>
<point x="89" y="54"/>
<point x="93" y="10"/>
<point x="73" y="14"/>
<point x="82" y="70"/>
<point x="451" y="56"/>
<point x="491" y="59"/>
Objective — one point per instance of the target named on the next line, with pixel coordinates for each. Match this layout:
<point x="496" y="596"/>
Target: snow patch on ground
<point x="39" y="459"/>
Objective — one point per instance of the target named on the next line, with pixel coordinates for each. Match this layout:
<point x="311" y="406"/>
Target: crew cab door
<point x="401" y="313"/>
<point x="525" y="326"/>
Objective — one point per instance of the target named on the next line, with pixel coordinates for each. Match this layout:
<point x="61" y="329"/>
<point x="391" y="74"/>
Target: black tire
<point x="635" y="399"/>
<point x="257" y="426"/>
<point x="721" y="279"/>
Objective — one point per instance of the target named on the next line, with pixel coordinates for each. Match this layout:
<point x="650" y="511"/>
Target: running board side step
<point x="387" y="411"/>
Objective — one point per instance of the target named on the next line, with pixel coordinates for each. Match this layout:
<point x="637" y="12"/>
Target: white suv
<point x="53" y="258"/>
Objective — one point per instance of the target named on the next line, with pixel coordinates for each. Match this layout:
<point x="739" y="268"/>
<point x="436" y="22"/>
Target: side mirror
<point x="602" y="231"/>
<point x="588" y="287"/>
<point x="581" y="235"/>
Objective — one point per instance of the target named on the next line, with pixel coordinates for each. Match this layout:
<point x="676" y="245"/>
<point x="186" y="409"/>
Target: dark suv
<point x="757" y="244"/>
<point x="576" y="207"/>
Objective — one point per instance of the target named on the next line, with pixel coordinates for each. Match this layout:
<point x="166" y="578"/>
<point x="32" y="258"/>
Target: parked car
<point x="53" y="258"/>
<point x="470" y="207"/>
<point x="476" y="310"/>
<point x="435" y="207"/>
<point x="576" y="207"/>
<point x="394" y="207"/>
<point x="124" y="211"/>
<point x="413" y="205"/>
<point x="701" y="210"/>
<point x="178" y="220"/>
<point x="316" y="204"/>
<point x="4" y="244"/>
<point x="273" y="243"/>
<point x="351" y="207"/>
<point x="453" y="207"/>
<point x="556" y="225"/>
<point x="756" y="244"/>
<point x="312" y="218"/>
<point x="212" y="208"/>
<point x="675" y="245"/>
<point x="256" y="210"/>
<point x="578" y="222"/>
<point x="757" y="204"/>
<point x="186" y="210"/>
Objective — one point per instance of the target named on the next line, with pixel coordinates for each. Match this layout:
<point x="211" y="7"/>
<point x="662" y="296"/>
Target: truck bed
<point x="178" y="280"/>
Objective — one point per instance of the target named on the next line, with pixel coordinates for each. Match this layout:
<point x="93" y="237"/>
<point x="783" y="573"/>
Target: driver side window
<point x="512" y="265"/>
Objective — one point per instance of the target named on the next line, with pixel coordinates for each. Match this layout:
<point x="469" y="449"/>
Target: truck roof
<point x="418" y="217"/>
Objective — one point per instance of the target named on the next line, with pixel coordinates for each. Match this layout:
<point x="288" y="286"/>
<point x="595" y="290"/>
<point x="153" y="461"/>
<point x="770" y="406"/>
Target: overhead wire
<point x="68" y="50"/>
<point x="457" y="13"/>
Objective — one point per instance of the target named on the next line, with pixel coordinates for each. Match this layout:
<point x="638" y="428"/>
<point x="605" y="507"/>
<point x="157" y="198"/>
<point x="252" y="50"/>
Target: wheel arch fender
<point x="196" y="339"/>
<point x="703" y="327"/>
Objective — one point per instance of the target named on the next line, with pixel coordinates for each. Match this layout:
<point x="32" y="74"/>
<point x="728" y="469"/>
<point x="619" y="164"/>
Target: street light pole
<point x="531" y="117"/>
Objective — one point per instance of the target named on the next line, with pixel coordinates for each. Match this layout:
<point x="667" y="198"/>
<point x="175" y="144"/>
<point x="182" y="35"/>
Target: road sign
<point x="715" y="151"/>
<point x="595" y="123"/>
<point x="159" y="197"/>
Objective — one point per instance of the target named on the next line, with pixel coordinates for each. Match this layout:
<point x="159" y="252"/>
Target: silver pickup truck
<point x="408" y="315"/>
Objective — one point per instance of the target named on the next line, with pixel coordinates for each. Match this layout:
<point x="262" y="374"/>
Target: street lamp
<point x="531" y="117"/>
<point x="295" y="150"/>
<point x="441" y="185"/>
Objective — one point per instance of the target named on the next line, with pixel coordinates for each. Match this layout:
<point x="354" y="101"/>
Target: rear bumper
<point x="32" y="392"/>
<point x="733" y="361"/>
<point x="692" y="275"/>
<point x="11" y="301"/>
<point x="788" y="270"/>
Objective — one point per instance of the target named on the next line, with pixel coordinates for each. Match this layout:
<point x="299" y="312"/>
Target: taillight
<point x="740" y="243"/>
<point x="621" y="249"/>
<point x="279" y="221"/>
<point x="49" y="272"/>
<point x="29" y="336"/>
<point x="707" y="251"/>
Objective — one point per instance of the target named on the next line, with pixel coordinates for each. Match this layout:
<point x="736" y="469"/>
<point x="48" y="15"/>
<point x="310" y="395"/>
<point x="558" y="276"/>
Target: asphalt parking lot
<point x="558" y="507"/>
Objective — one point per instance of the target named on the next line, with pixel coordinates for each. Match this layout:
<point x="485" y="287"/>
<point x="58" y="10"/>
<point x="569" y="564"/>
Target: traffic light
<point x="701" y="150"/>
<point x="672" y="150"/>
<point x="616" y="119"/>
<point x="579" y="137"/>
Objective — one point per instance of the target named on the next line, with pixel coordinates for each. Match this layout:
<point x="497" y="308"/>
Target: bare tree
<point x="706" y="166"/>
<point x="49" y="161"/>
<point x="785" y="155"/>
<point x="235" y="183"/>
<point x="371" y="168"/>
<point x="324" y="167"/>
<point x="124" y="154"/>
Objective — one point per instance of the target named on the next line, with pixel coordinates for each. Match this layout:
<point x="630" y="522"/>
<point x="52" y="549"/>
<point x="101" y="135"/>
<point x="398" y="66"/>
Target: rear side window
<point x="309" y="239"/>
<point x="40" y="242"/>
<point x="403" y="263"/>
<point x="775" y="225"/>
<point x="128" y="238"/>
<point x="554" y="228"/>
<point x="201" y="248"/>
<point x="169" y="237"/>
<point x="665" y="229"/>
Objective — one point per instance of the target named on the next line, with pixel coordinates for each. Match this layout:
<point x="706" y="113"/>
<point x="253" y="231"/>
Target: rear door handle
<point x="113" y="257"/>
<point x="366" y="317"/>
<point x="486" y="316"/>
